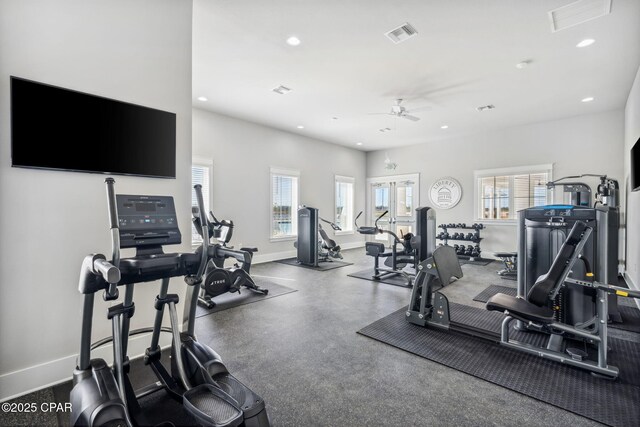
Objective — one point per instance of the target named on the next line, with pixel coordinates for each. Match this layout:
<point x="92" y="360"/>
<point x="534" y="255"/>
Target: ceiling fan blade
<point x="410" y="117"/>
<point x="378" y="114"/>
<point x="416" y="110"/>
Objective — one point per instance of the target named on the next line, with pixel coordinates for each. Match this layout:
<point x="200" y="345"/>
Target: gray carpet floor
<point x="301" y="353"/>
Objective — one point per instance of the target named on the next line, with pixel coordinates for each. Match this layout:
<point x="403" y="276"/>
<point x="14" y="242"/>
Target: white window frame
<point x="347" y="180"/>
<point x="516" y="170"/>
<point x="294" y="216"/>
<point x="203" y="162"/>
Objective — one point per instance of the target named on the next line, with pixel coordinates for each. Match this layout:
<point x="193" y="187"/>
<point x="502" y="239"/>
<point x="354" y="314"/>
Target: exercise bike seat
<point x="520" y="308"/>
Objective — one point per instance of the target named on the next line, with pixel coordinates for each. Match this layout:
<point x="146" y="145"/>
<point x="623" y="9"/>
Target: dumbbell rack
<point x="477" y="240"/>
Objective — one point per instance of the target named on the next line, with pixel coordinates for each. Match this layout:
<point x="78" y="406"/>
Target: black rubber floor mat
<point x="396" y="280"/>
<point x="573" y="389"/>
<point x="227" y="301"/>
<point x="630" y="319"/>
<point x="630" y="314"/>
<point x="322" y="266"/>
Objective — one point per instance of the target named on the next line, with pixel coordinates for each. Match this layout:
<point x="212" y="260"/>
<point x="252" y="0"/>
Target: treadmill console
<point x="147" y="221"/>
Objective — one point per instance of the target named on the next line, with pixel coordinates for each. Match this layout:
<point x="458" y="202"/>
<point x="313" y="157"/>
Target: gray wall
<point x="136" y="51"/>
<point x="584" y="144"/>
<point x="242" y="154"/>
<point x="631" y="135"/>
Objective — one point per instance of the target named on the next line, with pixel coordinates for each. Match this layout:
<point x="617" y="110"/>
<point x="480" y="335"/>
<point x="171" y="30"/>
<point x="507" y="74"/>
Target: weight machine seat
<point x="250" y="250"/>
<point x="520" y="308"/>
<point x="376" y="249"/>
<point x="534" y="307"/>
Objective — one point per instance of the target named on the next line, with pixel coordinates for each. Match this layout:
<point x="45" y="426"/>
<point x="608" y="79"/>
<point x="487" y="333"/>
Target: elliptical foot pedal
<point x="212" y="407"/>
<point x="577" y="354"/>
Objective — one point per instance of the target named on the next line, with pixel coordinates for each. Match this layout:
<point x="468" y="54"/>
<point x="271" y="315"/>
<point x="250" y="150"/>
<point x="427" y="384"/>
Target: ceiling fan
<point x="400" y="111"/>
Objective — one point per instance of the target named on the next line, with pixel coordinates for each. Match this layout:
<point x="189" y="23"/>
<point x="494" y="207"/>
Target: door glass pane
<point x="404" y="200"/>
<point x="380" y="201"/>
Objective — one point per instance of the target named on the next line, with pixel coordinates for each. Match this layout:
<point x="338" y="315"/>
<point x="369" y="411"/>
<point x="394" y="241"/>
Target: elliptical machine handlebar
<point x="205" y="226"/>
<point x="112" y="292"/>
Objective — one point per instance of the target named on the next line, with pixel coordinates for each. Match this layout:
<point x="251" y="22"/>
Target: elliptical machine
<point x="207" y="394"/>
<point x="397" y="260"/>
<point x="219" y="280"/>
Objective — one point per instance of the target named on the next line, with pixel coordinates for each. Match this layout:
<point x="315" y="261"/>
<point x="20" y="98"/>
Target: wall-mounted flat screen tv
<point x="635" y="166"/>
<point x="56" y="128"/>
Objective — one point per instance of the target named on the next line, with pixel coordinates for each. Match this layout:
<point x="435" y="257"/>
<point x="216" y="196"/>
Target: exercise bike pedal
<point x="212" y="407"/>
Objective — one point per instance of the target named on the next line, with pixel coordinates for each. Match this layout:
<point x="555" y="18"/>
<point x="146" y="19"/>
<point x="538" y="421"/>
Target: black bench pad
<point x="520" y="308"/>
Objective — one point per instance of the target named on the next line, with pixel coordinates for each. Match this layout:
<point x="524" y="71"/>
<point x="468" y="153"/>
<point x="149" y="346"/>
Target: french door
<point x="399" y="195"/>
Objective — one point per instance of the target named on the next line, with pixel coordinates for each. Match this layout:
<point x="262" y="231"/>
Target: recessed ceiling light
<point x="444" y="127"/>
<point x="293" y="41"/>
<point x="523" y="64"/>
<point x="358" y="143"/>
<point x="588" y="99"/>
<point x="202" y="98"/>
<point x="282" y="90"/>
<point x="300" y="127"/>
<point x="586" y="42"/>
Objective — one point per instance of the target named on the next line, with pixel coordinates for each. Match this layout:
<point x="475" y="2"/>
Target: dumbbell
<point x="461" y="250"/>
<point x="479" y="226"/>
<point x="446" y="235"/>
<point x="463" y="225"/>
<point x="470" y="236"/>
<point x="475" y="253"/>
<point x="455" y="248"/>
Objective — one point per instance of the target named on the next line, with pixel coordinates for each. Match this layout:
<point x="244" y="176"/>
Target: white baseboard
<point x="275" y="256"/>
<point x="33" y="378"/>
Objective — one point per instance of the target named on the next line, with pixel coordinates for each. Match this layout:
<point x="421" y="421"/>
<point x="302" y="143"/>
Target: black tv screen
<point x="635" y="165"/>
<point x="56" y="128"/>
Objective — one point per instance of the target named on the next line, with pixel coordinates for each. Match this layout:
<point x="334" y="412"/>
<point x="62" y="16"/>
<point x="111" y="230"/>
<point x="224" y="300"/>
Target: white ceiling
<point x="463" y="57"/>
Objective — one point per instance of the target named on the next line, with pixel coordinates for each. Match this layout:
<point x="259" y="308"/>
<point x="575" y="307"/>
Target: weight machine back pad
<point x="447" y="264"/>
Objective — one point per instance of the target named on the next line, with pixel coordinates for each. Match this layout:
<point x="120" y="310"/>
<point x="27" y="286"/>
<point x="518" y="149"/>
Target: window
<point x="501" y="193"/>
<point x="284" y="203"/>
<point x="201" y="173"/>
<point x="344" y="203"/>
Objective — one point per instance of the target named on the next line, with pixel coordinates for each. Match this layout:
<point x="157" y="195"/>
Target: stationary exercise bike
<point x="219" y="280"/>
<point x="401" y="255"/>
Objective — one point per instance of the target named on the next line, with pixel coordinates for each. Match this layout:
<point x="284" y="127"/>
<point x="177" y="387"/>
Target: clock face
<point x="445" y="193"/>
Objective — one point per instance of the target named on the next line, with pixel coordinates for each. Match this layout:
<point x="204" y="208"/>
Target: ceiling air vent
<point x="402" y="33"/>
<point x="577" y="13"/>
<point x="486" y="107"/>
<point x="282" y="90"/>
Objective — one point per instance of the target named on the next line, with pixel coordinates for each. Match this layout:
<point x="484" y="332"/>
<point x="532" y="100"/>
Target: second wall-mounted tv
<point x="635" y="166"/>
<point x="56" y="128"/>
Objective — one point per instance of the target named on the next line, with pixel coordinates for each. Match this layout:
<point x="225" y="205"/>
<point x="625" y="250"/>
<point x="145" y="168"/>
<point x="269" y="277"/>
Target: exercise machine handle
<point x="378" y="219"/>
<point x="205" y="226"/>
<point x="112" y="292"/>
<point x="109" y="272"/>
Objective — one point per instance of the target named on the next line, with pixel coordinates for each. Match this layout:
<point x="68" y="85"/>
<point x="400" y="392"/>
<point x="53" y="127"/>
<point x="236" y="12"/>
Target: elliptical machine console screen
<point x="147" y="221"/>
